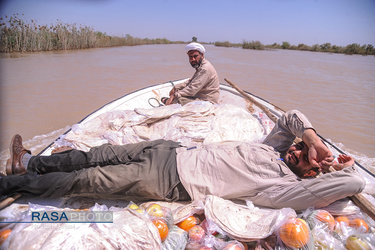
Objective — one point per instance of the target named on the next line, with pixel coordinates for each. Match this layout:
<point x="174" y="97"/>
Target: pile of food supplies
<point x="212" y="223"/>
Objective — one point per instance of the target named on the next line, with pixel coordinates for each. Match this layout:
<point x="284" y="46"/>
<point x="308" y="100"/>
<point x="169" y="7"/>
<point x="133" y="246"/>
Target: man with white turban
<point x="204" y="85"/>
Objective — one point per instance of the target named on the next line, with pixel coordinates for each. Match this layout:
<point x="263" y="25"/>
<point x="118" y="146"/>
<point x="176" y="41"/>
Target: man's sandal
<point x="164" y="99"/>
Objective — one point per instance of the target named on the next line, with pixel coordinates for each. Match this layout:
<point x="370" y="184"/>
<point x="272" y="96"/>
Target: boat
<point x="146" y="103"/>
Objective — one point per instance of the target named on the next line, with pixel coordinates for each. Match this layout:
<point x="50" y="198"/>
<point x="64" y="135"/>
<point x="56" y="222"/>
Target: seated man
<point x="167" y="170"/>
<point x="204" y="85"/>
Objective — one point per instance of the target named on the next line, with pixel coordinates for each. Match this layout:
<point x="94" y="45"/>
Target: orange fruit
<point x="356" y="223"/>
<point x="295" y="233"/>
<point x="189" y="222"/>
<point x="326" y="217"/>
<point x="343" y="219"/>
<point x="4" y="234"/>
<point x="162" y="228"/>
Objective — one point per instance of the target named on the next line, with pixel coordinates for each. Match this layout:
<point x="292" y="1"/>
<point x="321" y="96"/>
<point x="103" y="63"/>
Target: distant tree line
<point x="19" y="36"/>
<point x="366" y="49"/>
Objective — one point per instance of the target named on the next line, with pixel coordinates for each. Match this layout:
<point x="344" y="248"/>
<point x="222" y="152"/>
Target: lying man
<point x="274" y="174"/>
<point x="204" y="85"/>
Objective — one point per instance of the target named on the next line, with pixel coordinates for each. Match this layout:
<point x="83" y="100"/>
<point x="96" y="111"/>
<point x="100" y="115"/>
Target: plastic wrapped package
<point x="120" y="137"/>
<point x="39" y="235"/>
<point x="129" y="229"/>
<point x="116" y="120"/>
<point x="207" y="243"/>
<point x="196" y="122"/>
<point x="236" y="124"/>
<point x="199" y="108"/>
<point x="165" y="128"/>
<point x="160" y="112"/>
<point x="326" y="240"/>
<point x="243" y="223"/>
<point x="177" y="239"/>
<point x="129" y="136"/>
<point x="342" y="207"/>
<point x="4" y="234"/>
<point x="74" y="236"/>
<point x="154" y="211"/>
<point x="12" y="213"/>
<point x="319" y="218"/>
<point x="322" y="225"/>
<point x="232" y="245"/>
<point x="50" y="236"/>
<point x="212" y="243"/>
<point x="266" y="122"/>
<point x="358" y="225"/>
<point x="183" y="212"/>
<point x="295" y="234"/>
<point x="331" y="232"/>
<point x="360" y="241"/>
<point x="195" y="128"/>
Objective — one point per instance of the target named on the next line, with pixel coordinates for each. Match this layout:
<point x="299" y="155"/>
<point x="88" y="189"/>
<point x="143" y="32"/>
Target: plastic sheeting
<point x="225" y="224"/>
<point x="129" y="229"/>
<point x="193" y="123"/>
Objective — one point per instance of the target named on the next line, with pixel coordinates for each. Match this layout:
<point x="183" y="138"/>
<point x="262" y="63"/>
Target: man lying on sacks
<point x="276" y="173"/>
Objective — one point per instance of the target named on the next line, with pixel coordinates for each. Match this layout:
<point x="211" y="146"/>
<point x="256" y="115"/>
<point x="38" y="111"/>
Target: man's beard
<point x="197" y="64"/>
<point x="291" y="165"/>
<point x="295" y="169"/>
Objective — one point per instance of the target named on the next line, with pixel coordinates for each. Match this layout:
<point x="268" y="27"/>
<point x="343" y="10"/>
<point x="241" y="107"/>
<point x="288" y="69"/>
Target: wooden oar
<point x="248" y="97"/>
<point x="359" y="199"/>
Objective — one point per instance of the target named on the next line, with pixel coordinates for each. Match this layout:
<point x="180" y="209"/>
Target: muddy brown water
<point x="42" y="94"/>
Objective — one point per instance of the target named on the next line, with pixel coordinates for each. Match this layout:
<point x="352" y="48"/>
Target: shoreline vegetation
<point x="17" y="35"/>
<point x="351" y="49"/>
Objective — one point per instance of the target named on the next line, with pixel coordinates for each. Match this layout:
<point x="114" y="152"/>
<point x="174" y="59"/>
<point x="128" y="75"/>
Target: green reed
<point x="17" y="35"/>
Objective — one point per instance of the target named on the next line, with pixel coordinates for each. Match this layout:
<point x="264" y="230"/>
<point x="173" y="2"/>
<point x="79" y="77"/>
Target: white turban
<point x="195" y="46"/>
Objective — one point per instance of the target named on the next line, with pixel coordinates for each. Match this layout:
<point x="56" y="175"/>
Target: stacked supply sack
<point x="213" y="223"/>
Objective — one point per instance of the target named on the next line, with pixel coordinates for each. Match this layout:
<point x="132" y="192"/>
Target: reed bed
<point x="17" y="35"/>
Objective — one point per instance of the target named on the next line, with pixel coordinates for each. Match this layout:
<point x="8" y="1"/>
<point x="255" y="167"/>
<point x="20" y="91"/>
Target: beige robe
<point x="241" y="171"/>
<point x="204" y="85"/>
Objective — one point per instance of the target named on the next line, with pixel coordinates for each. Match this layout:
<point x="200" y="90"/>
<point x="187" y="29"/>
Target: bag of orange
<point x="322" y="216"/>
<point x="157" y="211"/>
<point x="189" y="222"/>
<point x="162" y="227"/>
<point x="359" y="224"/>
<point x="295" y="233"/>
<point x="342" y="219"/>
<point x="4" y="234"/>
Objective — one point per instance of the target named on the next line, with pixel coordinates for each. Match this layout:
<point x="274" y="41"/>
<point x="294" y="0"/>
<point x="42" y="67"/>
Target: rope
<point x="159" y="104"/>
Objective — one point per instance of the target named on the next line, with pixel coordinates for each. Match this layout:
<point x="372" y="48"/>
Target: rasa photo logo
<point x="72" y="216"/>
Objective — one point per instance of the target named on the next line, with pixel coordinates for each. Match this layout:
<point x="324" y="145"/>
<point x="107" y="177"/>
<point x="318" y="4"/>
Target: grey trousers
<point x="137" y="172"/>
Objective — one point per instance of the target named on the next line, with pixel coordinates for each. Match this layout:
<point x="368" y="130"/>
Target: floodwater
<point x="43" y="94"/>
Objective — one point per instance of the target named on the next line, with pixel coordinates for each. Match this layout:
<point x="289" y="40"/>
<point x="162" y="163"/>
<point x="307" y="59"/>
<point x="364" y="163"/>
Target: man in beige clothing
<point x="274" y="174"/>
<point x="204" y="85"/>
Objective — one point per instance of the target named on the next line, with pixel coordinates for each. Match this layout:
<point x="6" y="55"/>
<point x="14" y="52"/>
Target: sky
<point x="339" y="22"/>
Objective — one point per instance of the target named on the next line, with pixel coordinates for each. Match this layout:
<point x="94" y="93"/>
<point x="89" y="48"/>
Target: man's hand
<point x="172" y="91"/>
<point x="169" y="100"/>
<point x="344" y="161"/>
<point x="319" y="155"/>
